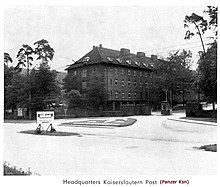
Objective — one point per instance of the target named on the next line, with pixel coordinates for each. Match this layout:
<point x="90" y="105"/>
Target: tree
<point x="208" y="74"/>
<point x="182" y="74"/>
<point x="95" y="93"/>
<point x="25" y="59"/>
<point x="7" y="58"/>
<point x="15" y="90"/>
<point x="74" y="99"/>
<point x="173" y="76"/>
<point x="201" y="24"/>
<point x="44" y="51"/>
<point x="71" y="82"/>
<point x="44" y="88"/>
<point x="207" y="68"/>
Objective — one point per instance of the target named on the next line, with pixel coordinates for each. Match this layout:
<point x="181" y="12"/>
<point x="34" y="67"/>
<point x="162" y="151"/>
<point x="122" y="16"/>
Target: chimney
<point x="140" y="54"/>
<point x="100" y="45"/>
<point x="93" y="47"/>
<point x="124" y="51"/>
<point x="154" y="57"/>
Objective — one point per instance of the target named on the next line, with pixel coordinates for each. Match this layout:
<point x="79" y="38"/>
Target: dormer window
<point x="137" y="63"/>
<point x="128" y="61"/>
<point x="109" y="59"/>
<point x="119" y="60"/>
<point x="86" y="59"/>
<point x="145" y="64"/>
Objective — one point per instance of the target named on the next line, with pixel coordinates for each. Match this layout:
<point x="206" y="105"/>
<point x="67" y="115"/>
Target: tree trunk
<point x="29" y="100"/>
<point x="183" y="94"/>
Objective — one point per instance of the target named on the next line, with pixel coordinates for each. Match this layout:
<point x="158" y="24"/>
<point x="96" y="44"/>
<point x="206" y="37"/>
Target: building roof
<point x="110" y="56"/>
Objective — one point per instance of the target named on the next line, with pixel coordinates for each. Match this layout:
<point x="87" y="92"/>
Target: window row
<point x="128" y="83"/>
<point x="84" y="72"/>
<point x="129" y="72"/>
<point x="129" y="95"/>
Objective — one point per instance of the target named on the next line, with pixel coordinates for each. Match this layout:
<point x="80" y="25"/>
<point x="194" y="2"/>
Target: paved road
<point x="153" y="145"/>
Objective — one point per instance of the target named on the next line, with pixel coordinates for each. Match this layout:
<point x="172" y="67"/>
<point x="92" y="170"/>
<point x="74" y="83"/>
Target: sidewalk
<point x="200" y="121"/>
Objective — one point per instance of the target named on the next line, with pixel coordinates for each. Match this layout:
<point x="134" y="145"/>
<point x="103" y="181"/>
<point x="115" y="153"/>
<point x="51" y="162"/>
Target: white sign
<point x="46" y="117"/>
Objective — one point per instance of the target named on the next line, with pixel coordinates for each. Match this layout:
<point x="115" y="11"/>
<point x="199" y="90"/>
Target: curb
<point x="189" y="121"/>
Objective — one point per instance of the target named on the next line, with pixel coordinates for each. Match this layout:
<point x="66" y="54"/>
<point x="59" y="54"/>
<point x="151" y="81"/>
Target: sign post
<point x="65" y="111"/>
<point x="45" y="117"/>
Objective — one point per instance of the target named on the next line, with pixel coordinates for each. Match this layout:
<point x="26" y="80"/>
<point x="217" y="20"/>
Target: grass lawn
<point x="44" y="133"/>
<point x="12" y="170"/>
<point x="211" y="147"/>
<point x="200" y="119"/>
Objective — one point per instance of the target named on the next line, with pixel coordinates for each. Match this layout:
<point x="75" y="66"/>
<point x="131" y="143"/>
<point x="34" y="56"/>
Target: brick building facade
<point x="126" y="76"/>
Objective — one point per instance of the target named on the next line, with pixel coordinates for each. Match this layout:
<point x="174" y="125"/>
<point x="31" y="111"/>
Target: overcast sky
<point x="73" y="30"/>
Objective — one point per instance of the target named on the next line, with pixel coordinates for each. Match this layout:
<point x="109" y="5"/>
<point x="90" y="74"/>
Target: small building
<point x="126" y="76"/>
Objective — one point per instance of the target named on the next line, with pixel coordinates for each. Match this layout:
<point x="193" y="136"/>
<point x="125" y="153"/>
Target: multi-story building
<point x="126" y="76"/>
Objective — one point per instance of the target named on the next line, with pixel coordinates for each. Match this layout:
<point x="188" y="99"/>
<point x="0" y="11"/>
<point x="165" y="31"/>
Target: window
<point x="146" y="74"/>
<point x="135" y="84"/>
<point x="122" y="71"/>
<point x="140" y="74"/>
<point x="129" y="72"/>
<point x="74" y="73"/>
<point x="111" y="93"/>
<point x="145" y="64"/>
<point x="84" y="85"/>
<point x="137" y="63"/>
<point x="129" y="83"/>
<point x="141" y="95"/>
<point x="116" y="94"/>
<point x="84" y="73"/>
<point x="116" y="71"/>
<point x="119" y="60"/>
<point x="122" y="95"/>
<point x="128" y="61"/>
<point x="93" y="70"/>
<point x="146" y="85"/>
<point x="109" y="59"/>
<point x="129" y="94"/>
<point x="86" y="59"/>
<point x="135" y="94"/>
<point x="135" y="73"/>
<point x="140" y="84"/>
<point x="111" y="81"/>
<point x="122" y="82"/>
<point x="116" y="82"/>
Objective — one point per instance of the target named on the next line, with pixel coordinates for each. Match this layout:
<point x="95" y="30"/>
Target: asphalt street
<point x="153" y="145"/>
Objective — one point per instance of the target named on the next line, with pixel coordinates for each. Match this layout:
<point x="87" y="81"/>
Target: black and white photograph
<point x="115" y="90"/>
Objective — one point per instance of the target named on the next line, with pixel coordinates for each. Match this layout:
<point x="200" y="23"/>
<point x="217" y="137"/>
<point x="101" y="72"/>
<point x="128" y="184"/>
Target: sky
<point x="73" y="30"/>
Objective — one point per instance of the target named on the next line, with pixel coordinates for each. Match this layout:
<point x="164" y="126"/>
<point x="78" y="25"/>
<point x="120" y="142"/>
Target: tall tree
<point x="25" y="59"/>
<point x="44" y="51"/>
<point x="201" y="24"/>
<point x="7" y="59"/>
